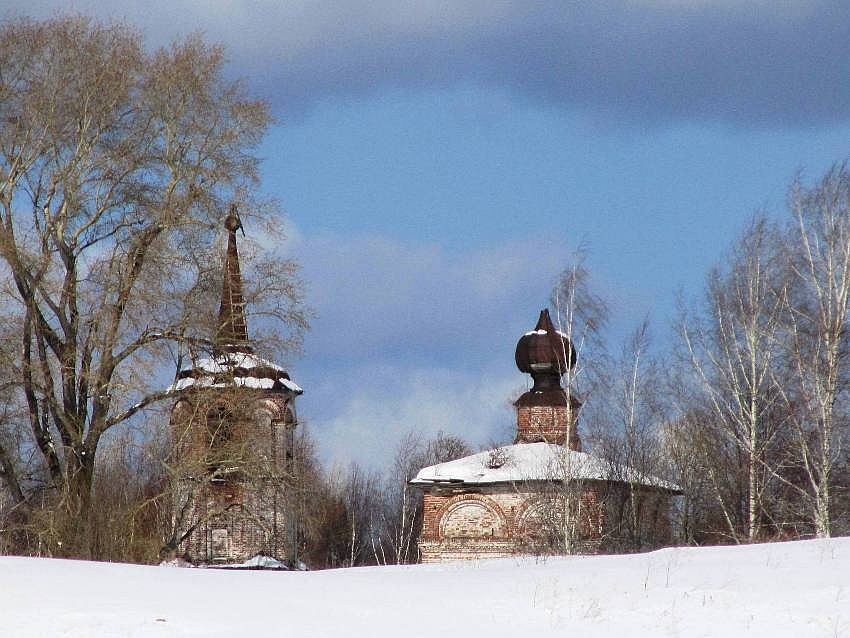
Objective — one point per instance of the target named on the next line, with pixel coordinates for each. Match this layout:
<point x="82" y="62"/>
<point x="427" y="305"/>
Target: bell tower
<point x="233" y="430"/>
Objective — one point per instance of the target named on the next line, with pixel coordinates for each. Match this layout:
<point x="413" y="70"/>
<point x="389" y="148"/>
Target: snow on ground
<point x="799" y="590"/>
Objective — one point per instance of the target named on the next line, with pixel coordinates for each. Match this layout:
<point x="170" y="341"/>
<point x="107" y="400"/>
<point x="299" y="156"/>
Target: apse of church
<point x="233" y="429"/>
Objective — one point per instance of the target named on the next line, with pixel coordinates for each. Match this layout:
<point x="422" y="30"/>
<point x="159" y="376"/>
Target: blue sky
<point x="439" y="162"/>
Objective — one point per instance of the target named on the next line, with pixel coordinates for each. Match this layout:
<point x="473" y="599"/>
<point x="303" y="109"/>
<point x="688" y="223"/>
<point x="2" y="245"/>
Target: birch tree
<point x="626" y="427"/>
<point x="819" y="250"/>
<point x="580" y="316"/>
<point x="396" y="534"/>
<point x="734" y="352"/>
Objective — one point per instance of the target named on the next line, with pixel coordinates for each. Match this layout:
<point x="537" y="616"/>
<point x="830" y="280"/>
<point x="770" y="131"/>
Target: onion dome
<point x="544" y="349"/>
<point x="545" y="353"/>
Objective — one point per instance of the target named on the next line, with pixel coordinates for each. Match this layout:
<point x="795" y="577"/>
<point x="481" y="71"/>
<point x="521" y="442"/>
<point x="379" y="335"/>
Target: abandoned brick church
<point x="542" y="494"/>
<point x="232" y="428"/>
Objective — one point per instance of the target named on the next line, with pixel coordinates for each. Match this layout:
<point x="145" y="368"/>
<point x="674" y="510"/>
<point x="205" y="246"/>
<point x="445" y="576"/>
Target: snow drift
<point x="776" y="590"/>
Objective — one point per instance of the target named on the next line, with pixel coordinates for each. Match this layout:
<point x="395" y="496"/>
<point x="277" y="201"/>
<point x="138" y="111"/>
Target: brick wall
<point x="547" y="423"/>
<point x="236" y="486"/>
<point x="234" y="524"/>
<point x="509" y="520"/>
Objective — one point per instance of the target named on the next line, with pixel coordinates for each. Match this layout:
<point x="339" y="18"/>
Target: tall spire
<point x="232" y="332"/>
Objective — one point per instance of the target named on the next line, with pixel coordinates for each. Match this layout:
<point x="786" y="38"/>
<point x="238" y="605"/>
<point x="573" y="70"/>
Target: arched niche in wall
<point x="541" y="522"/>
<point x="472" y="517"/>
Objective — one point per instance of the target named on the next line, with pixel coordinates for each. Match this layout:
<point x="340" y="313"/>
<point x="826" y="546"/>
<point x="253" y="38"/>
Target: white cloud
<point x="384" y="403"/>
<point x="415" y="338"/>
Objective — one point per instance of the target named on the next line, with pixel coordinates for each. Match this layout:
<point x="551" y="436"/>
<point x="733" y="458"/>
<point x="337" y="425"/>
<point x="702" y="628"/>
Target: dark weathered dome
<point x="544" y="349"/>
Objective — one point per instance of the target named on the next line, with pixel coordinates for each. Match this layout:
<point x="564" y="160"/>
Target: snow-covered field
<point x="799" y="590"/>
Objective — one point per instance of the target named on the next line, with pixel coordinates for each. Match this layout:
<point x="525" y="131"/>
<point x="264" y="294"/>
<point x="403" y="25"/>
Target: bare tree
<point x="819" y="251"/>
<point x="691" y="454"/>
<point x="733" y="353"/>
<point x="561" y="519"/>
<point x="116" y="166"/>
<point x="561" y="516"/>
<point x="362" y="516"/>
<point x="581" y="315"/>
<point x="361" y="492"/>
<point x="397" y="532"/>
<point x="626" y="426"/>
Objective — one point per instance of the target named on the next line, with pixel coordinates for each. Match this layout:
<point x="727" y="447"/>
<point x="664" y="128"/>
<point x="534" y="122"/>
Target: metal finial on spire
<point x="233" y="221"/>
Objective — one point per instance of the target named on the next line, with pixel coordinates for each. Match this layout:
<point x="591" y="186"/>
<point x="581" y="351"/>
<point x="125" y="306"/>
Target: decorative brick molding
<point x="514" y="509"/>
<point x="469" y="516"/>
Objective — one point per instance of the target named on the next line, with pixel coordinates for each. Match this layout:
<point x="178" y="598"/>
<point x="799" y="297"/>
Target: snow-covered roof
<point x="234" y="369"/>
<point x="532" y="462"/>
<point x="208" y="382"/>
<point x="291" y="385"/>
<point x="544" y="332"/>
<point x="226" y="362"/>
